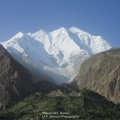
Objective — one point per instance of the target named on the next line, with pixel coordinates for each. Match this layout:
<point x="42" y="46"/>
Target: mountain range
<point x="54" y="56"/>
<point x="85" y="70"/>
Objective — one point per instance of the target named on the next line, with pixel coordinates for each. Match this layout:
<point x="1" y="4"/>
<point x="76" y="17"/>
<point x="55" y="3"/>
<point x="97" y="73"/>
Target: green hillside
<point x="86" y="105"/>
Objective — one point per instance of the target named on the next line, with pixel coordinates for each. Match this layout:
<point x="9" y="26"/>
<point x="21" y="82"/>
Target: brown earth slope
<point x="101" y="73"/>
<point x="15" y="80"/>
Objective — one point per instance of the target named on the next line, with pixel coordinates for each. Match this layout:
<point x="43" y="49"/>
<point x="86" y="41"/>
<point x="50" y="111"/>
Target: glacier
<point x="55" y="56"/>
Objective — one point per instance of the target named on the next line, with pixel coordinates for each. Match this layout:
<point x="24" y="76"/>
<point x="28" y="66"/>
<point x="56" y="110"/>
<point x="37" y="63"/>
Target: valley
<point x="64" y="74"/>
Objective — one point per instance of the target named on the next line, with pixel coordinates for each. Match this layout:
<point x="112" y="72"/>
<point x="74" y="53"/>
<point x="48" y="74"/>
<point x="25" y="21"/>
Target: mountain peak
<point x="62" y="29"/>
<point x="40" y="31"/>
<point x="59" y="32"/>
<point x="58" y="54"/>
<point x="18" y="35"/>
<point x="77" y="30"/>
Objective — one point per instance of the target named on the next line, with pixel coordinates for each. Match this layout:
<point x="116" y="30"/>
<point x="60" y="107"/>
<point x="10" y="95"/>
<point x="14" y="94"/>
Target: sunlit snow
<point x="59" y="52"/>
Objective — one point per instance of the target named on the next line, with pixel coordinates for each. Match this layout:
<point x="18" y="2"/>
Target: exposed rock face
<point x="101" y="73"/>
<point x="15" y="80"/>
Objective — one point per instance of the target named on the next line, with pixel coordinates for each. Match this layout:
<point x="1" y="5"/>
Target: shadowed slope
<point x="15" y="80"/>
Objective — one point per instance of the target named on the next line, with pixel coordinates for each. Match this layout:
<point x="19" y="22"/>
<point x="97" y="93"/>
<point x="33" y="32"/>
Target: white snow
<point x="57" y="53"/>
<point x="95" y="43"/>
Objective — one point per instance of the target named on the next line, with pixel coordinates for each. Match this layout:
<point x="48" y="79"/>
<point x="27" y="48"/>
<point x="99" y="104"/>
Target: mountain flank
<point x="101" y="73"/>
<point x="15" y="80"/>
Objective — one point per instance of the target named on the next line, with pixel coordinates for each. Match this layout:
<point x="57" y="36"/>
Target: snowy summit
<point x="57" y="54"/>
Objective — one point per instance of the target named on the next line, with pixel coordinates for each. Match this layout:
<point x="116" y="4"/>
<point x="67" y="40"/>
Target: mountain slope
<point x="13" y="80"/>
<point x="101" y="73"/>
<point x="57" y="54"/>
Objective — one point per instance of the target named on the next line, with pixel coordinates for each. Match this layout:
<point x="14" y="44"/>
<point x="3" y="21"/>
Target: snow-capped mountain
<point x="57" y="54"/>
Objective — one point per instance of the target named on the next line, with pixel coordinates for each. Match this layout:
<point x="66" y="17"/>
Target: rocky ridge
<point x="101" y="73"/>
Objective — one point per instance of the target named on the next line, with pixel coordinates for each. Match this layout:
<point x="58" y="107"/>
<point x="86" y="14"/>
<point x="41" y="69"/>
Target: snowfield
<point x="55" y="55"/>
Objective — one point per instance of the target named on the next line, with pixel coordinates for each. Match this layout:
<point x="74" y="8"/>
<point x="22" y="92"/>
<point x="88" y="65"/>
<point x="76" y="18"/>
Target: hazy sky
<point x="97" y="17"/>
